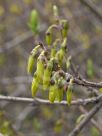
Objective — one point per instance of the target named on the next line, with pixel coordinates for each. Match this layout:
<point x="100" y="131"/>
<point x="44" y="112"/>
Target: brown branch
<point x="83" y="82"/>
<point x="37" y="101"/>
<point x="86" y="119"/>
<point x="86" y="83"/>
<point x="93" y="121"/>
<point x="26" y="79"/>
<point x="92" y="8"/>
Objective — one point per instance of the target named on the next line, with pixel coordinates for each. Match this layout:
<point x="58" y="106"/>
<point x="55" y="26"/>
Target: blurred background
<point x="16" y="42"/>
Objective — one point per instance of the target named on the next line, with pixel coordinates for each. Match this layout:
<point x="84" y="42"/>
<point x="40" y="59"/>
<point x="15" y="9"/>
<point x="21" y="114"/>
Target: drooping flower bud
<point x="40" y="67"/>
<point x="35" y="50"/>
<point x="64" y="44"/>
<point x="31" y="62"/>
<point x="69" y="92"/>
<point x="65" y="27"/>
<point x="52" y="93"/>
<point x="54" y="48"/>
<point x="48" y="38"/>
<point x="68" y="63"/>
<point x="35" y="85"/>
<point x="32" y="59"/>
<point x="60" y="89"/>
<point x="60" y="55"/>
<point x="47" y="74"/>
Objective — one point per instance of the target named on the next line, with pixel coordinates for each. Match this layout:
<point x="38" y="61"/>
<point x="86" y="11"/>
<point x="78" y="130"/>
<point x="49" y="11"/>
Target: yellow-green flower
<point x="65" y="27"/>
<point x="40" y="68"/>
<point x="35" y="85"/>
<point x="47" y="74"/>
<point x="31" y="62"/>
<point x="52" y="93"/>
<point x="32" y="59"/>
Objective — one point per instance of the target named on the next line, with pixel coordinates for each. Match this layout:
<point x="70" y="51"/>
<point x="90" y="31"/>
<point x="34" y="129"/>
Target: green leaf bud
<point x="34" y="21"/>
<point x="55" y="10"/>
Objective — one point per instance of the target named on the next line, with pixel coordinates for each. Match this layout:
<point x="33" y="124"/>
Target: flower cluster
<point x="49" y="60"/>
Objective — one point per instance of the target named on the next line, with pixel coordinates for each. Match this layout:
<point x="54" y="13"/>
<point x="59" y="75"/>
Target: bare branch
<point x="86" y="119"/>
<point x="86" y="83"/>
<point x="83" y="82"/>
<point x="93" y="121"/>
<point x="92" y="8"/>
<point x="37" y="101"/>
<point x="26" y="79"/>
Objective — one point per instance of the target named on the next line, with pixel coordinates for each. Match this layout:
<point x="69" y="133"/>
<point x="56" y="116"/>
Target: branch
<point x="92" y="8"/>
<point x="26" y="79"/>
<point x="38" y="101"/>
<point x="83" y="82"/>
<point x="86" y="119"/>
<point x="93" y="121"/>
<point x="86" y="83"/>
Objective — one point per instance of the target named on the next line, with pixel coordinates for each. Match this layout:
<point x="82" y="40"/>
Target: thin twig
<point x="93" y="121"/>
<point x="92" y="8"/>
<point x="37" y="101"/>
<point x="83" y="82"/>
<point x="86" y="83"/>
<point x="86" y="119"/>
